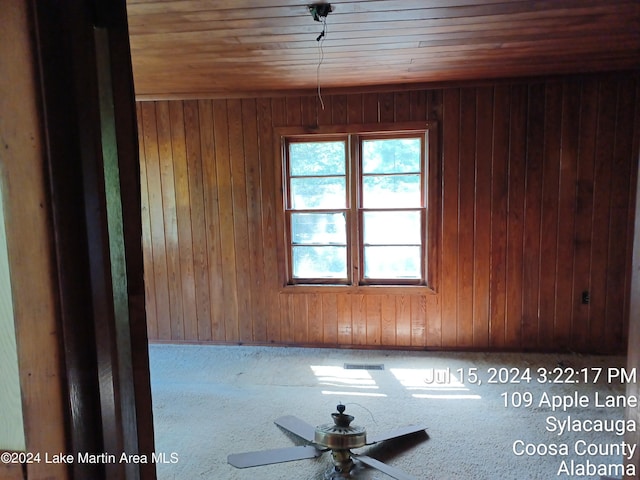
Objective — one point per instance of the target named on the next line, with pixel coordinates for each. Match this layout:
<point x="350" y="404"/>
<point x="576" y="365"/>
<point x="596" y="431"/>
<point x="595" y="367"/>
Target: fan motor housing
<point x="341" y="435"/>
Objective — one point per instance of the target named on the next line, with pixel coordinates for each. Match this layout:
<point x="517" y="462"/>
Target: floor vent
<point x="363" y="366"/>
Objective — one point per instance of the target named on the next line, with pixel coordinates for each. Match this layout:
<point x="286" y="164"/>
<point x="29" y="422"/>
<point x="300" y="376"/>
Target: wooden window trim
<point x="430" y="219"/>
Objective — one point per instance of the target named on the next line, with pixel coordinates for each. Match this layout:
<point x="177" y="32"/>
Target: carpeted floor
<point x="210" y="401"/>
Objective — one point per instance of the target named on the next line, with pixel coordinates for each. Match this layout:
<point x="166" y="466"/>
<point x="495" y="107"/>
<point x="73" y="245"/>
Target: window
<point x="356" y="207"/>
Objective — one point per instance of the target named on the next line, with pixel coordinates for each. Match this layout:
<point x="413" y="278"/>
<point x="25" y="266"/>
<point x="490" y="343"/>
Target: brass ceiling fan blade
<point x="400" y="432"/>
<point x="296" y="426"/>
<point x="276" y="455"/>
<point x="383" y="467"/>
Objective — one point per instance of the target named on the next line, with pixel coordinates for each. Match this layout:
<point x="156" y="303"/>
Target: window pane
<point x="392" y="262"/>
<point x="391" y="191"/>
<point x="388" y="228"/>
<point x="400" y="155"/>
<point x="319" y="262"/>
<point x="309" y="228"/>
<point x="316" y="158"/>
<point x="322" y="192"/>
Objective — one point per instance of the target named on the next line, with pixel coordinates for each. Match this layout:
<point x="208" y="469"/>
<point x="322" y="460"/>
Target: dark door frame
<point x="88" y="122"/>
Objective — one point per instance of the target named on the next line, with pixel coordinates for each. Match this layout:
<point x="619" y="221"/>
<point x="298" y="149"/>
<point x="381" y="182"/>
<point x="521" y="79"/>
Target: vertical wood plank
<point x="619" y="256"/>
<point x="434" y="104"/>
<point x="516" y="214"/>
<point x="388" y="320"/>
<point x="269" y="239"/>
<point x="466" y="213"/>
<point x="226" y="225"/>
<point x="240" y="221"/>
<point x="601" y="200"/>
<point x="293" y="111"/>
<point x="370" y="108"/>
<point x="402" y="106"/>
<point x="359" y="319"/>
<point x="532" y="218"/>
<point x="584" y="213"/>
<point x="434" y="321"/>
<point x="499" y="203"/>
<point x="450" y="148"/>
<point x="315" y="318"/>
<point x="354" y="108"/>
<point x="418" y="321"/>
<point x="287" y="318"/>
<point x="373" y="309"/>
<point x="566" y="216"/>
<point x="147" y="246"/>
<point x="403" y="320"/>
<point x="339" y="109"/>
<point x="300" y="319"/>
<point x="324" y="110"/>
<point x="172" y="248"/>
<point x="203" y="190"/>
<point x="279" y="112"/>
<point x="418" y="105"/>
<point x="549" y="213"/>
<point x="198" y="225"/>
<point x="156" y="215"/>
<point x="482" y="241"/>
<point x="330" y="318"/>
<point x="345" y="326"/>
<point x="256" y="237"/>
<point x="386" y="107"/>
<point x="309" y="111"/>
<point x="183" y="219"/>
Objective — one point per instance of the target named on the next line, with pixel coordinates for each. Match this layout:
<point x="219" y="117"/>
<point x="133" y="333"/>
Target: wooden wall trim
<point x="29" y="240"/>
<point x="532" y="215"/>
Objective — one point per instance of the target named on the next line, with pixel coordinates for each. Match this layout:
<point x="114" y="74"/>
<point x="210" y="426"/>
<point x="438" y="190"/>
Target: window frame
<point x="429" y="209"/>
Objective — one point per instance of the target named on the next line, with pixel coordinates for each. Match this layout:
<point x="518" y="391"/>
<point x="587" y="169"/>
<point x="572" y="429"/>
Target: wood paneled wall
<point x="538" y="182"/>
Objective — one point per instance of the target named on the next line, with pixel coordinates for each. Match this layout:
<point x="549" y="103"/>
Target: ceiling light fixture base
<point x="320" y="11"/>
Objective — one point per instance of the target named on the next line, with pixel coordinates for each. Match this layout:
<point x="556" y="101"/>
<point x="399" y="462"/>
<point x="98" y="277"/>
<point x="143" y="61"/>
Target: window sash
<point x="421" y="245"/>
<point x="291" y="245"/>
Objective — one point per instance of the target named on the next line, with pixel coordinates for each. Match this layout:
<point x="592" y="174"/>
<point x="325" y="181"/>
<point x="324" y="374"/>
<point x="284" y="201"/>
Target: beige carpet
<point x="210" y="401"/>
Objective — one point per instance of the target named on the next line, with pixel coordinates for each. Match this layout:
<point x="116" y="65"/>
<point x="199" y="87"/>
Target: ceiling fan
<point x="339" y="438"/>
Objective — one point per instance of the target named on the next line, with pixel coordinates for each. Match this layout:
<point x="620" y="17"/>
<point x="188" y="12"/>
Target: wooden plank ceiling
<point x="218" y="48"/>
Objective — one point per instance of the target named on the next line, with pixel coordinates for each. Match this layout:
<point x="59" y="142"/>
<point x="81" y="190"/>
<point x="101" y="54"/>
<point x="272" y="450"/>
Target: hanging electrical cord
<point x="320" y="41"/>
<point x="319" y="12"/>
